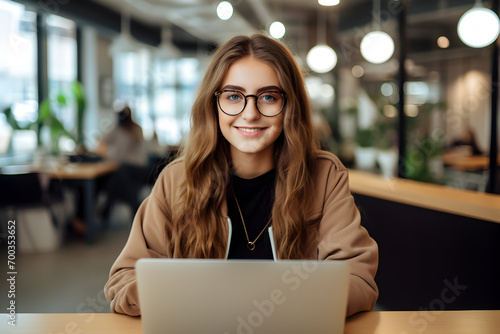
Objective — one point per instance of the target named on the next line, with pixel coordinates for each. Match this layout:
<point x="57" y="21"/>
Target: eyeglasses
<point x="269" y="103"/>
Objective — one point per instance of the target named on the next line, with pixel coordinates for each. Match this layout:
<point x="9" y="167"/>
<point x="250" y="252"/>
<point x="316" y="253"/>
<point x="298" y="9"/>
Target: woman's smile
<point x="250" y="131"/>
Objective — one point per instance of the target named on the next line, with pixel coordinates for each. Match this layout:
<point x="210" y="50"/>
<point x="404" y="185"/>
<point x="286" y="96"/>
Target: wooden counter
<point x="466" y="203"/>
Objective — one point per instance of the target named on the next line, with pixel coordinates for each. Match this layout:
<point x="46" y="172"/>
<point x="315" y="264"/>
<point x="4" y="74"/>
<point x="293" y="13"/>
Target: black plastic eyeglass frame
<point x="255" y="97"/>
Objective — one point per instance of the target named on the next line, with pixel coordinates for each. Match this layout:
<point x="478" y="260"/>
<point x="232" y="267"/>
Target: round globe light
<point x="478" y="27"/>
<point x="224" y="10"/>
<point x="357" y="71"/>
<point x="411" y="110"/>
<point x="326" y="96"/>
<point x="390" y="111"/>
<point x="321" y="58"/>
<point x="277" y="29"/>
<point x="443" y="42"/>
<point x="386" y="89"/>
<point x="377" y="47"/>
<point x="327" y="91"/>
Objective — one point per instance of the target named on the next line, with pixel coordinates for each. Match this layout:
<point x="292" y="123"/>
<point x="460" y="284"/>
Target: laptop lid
<point x="242" y="296"/>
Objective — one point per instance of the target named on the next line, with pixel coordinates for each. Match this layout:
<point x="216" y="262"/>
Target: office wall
<point x="468" y="98"/>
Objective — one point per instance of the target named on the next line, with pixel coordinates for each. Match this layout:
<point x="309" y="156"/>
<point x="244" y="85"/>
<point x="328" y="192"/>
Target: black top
<point x="256" y="198"/>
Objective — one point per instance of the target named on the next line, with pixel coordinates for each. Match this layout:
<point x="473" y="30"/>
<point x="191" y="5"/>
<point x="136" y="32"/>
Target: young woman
<point x="251" y="181"/>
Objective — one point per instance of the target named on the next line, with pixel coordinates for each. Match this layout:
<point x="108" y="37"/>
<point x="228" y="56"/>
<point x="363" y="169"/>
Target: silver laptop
<point x="242" y="296"/>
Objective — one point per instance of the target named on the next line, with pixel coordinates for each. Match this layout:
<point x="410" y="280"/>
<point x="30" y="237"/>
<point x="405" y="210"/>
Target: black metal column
<point x="403" y="11"/>
<point x="41" y="63"/>
<point x="490" y="187"/>
<point x="79" y="54"/>
<point x="41" y="56"/>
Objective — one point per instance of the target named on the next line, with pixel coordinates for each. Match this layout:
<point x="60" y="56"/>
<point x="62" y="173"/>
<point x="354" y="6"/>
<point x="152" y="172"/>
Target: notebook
<point x="242" y="296"/>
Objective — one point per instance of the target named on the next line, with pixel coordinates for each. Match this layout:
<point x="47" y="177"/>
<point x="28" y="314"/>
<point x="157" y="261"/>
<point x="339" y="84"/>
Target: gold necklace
<point x="250" y="244"/>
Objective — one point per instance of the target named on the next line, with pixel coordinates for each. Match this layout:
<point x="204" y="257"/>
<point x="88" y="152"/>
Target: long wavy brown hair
<point x="198" y="225"/>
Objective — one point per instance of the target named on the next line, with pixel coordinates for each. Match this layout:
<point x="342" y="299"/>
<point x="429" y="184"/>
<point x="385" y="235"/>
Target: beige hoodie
<point x="341" y="237"/>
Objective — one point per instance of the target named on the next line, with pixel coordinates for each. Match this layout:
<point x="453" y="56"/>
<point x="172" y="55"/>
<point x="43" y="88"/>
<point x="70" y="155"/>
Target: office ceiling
<point x="346" y="23"/>
<point x="198" y="17"/>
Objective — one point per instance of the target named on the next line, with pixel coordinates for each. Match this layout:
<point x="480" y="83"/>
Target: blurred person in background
<point x="126" y="146"/>
<point x="125" y="143"/>
<point x="466" y="144"/>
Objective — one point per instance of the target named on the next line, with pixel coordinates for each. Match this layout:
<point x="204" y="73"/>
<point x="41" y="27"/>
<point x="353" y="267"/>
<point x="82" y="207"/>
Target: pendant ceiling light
<point x="479" y="26"/>
<point x="377" y="47"/>
<point x="124" y="42"/>
<point x="167" y="50"/>
<point x="276" y="29"/>
<point x="321" y="58"/>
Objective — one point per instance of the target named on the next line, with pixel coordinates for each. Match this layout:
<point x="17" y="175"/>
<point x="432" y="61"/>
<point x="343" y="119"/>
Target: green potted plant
<point x="365" y="153"/>
<point x="434" y="151"/>
<point x="387" y="155"/>
<point x="46" y="118"/>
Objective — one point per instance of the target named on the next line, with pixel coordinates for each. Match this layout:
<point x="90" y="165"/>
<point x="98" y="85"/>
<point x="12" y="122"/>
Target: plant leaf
<point x="61" y="99"/>
<point x="44" y="111"/>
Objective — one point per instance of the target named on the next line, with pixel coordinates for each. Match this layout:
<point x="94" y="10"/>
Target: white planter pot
<point x="388" y="162"/>
<point x="435" y="166"/>
<point x="365" y="158"/>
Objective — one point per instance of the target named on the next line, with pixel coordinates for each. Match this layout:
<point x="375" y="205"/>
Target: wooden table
<point x="467" y="163"/>
<point x="79" y="170"/>
<point x="85" y="175"/>
<point x="428" y="322"/>
<point x="438" y="322"/>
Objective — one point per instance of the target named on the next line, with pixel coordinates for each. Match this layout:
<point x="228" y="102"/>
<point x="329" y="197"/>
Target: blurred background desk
<point x="85" y="175"/>
<point x="79" y="170"/>
<point x="447" y="322"/>
<point x="467" y="163"/>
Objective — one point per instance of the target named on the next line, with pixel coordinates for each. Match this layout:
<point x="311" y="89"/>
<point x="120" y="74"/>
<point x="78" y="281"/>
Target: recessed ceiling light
<point x="328" y="2"/>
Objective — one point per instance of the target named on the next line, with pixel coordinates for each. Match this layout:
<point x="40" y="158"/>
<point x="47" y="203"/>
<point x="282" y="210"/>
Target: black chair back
<point x="20" y="189"/>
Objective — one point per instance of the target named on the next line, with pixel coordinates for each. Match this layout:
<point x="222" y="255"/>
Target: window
<point x="18" y="75"/>
<point x="18" y="71"/>
<point x="174" y="94"/>
<point x="159" y="92"/>
<point x="447" y="105"/>
<point x="61" y="58"/>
